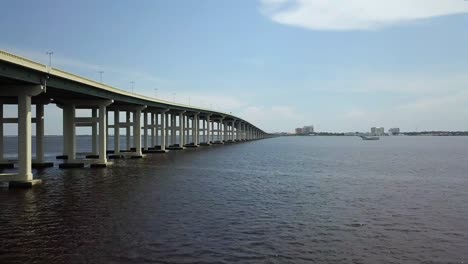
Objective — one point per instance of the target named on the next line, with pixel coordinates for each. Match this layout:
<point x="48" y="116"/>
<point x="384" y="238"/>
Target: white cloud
<point x="356" y="14"/>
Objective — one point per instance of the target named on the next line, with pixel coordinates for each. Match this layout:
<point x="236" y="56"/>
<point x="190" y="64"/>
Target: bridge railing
<point x="22" y="61"/>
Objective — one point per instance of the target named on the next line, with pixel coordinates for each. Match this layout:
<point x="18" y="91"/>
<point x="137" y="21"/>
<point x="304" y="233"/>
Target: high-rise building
<point x="377" y="131"/>
<point x="299" y="131"/>
<point x="308" y="130"/>
<point x="394" y="131"/>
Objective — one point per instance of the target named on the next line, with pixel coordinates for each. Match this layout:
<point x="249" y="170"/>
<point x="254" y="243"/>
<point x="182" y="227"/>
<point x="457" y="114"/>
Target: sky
<point x="338" y="65"/>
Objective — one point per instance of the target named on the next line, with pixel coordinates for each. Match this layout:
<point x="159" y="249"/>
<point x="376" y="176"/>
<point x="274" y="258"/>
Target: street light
<point x="156" y="93"/>
<point x="133" y="86"/>
<point x="173" y="97"/>
<point x="50" y="58"/>
<point x="100" y="76"/>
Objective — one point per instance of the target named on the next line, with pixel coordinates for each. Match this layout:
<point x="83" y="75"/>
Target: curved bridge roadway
<point x="166" y="125"/>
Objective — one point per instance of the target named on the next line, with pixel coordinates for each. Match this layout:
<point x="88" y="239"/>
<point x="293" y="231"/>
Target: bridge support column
<point x="226" y="131"/>
<point x="145" y="131"/>
<point x="173" y="129"/>
<point x="166" y="119"/>
<point x="39" y="133"/>
<point x="154" y="118"/>
<point x="70" y="132"/>
<point x="204" y="130"/>
<point x="244" y="132"/>
<point x="128" y="131"/>
<point x="94" y="132"/>
<point x="196" y="135"/>
<point x="192" y="131"/>
<point x="215" y="131"/>
<point x="39" y="162"/>
<point x="116" y="135"/>
<point x="208" y="130"/>
<point x="163" y="131"/>
<point x="102" y="162"/>
<point x="3" y="163"/>
<point x="24" y="177"/>
<point x="181" y="129"/>
<point x="137" y="132"/>
<point x="24" y="137"/>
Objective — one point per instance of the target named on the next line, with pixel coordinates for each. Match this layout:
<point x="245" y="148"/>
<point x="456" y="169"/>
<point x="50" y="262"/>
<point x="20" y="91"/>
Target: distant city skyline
<point x="279" y="64"/>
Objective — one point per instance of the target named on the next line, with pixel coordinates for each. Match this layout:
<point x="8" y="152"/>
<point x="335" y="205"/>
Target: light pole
<point x="173" y="97"/>
<point x="100" y="76"/>
<point x="189" y="100"/>
<point x="155" y="93"/>
<point x="50" y="58"/>
<point x="133" y="86"/>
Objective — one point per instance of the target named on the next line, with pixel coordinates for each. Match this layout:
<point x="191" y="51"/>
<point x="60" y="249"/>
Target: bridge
<point x="165" y="125"/>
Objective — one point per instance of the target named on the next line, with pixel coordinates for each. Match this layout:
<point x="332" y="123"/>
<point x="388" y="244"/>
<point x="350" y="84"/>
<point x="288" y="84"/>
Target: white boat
<point x="369" y="137"/>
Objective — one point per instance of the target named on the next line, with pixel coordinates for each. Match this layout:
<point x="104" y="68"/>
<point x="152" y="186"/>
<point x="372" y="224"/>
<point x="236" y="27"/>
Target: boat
<point x="369" y="137"/>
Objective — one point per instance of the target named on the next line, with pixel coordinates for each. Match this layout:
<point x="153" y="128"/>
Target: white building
<point x="308" y="130"/>
<point x="377" y="131"/>
<point x="394" y="131"/>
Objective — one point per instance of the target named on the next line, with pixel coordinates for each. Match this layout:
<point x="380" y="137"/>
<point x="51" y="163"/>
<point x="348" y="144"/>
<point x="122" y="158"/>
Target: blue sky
<point x="339" y="65"/>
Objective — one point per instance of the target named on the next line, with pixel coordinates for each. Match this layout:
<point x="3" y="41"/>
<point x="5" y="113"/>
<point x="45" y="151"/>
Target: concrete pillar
<point x="196" y="135"/>
<point x="94" y="136"/>
<point x="70" y="132"/>
<point x="137" y="131"/>
<point x="127" y="134"/>
<point x="39" y="133"/>
<point x="163" y="131"/>
<point x="1" y="133"/>
<point x="204" y="130"/>
<point x="154" y="122"/>
<point x="145" y="130"/>
<point x="107" y="128"/>
<point x="65" y="131"/>
<point x="116" y="132"/>
<point x="181" y="129"/>
<point x="102" y="134"/>
<point x="173" y="129"/>
<point x="213" y="132"/>
<point x="231" y="131"/>
<point x="167" y="128"/>
<point x="226" y="131"/>
<point x="24" y="137"/>
<point x="208" y="130"/>
<point x="218" y="133"/>
<point x="243" y="131"/>
<point x="187" y="128"/>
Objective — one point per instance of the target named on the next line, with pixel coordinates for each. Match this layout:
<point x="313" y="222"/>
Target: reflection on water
<point x="281" y="200"/>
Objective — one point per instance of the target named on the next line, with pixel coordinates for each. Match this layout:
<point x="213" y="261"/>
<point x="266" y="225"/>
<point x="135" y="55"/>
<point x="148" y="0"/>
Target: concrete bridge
<point x="165" y="125"/>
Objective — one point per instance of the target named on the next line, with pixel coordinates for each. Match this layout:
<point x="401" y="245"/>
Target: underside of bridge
<point x="165" y="125"/>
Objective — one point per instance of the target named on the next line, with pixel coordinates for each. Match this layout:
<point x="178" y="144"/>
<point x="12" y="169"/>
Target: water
<point x="281" y="200"/>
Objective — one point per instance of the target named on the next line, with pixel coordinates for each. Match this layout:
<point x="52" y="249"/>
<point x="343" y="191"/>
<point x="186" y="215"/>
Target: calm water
<point x="281" y="200"/>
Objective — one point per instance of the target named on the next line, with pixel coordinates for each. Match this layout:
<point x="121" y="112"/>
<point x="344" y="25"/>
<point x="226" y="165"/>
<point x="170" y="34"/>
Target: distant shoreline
<point x="422" y="133"/>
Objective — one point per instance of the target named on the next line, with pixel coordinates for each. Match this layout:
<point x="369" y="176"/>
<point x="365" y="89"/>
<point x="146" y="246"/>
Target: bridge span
<point x="165" y="125"/>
